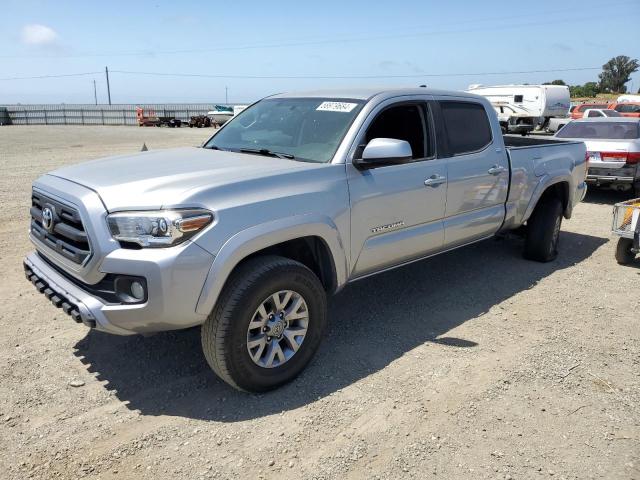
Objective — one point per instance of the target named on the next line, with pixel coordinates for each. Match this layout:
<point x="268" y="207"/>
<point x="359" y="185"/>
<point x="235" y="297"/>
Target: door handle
<point x="434" y="181"/>
<point x="496" y="170"/>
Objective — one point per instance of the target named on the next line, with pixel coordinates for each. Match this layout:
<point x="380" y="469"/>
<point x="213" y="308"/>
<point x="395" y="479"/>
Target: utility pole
<point x="106" y="71"/>
<point x="226" y="95"/>
<point x="95" y="92"/>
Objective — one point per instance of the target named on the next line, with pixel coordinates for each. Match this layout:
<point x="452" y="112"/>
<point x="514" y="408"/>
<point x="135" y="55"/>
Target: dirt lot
<point x="474" y="364"/>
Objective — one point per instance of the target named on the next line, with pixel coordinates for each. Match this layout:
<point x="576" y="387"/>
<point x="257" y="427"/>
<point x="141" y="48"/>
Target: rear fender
<point x="546" y="182"/>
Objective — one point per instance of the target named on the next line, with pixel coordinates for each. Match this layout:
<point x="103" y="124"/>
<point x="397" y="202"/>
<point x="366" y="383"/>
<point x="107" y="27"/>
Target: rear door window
<point x="466" y="125"/>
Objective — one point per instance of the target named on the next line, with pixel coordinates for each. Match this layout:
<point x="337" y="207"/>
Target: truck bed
<point x="533" y="159"/>
<point x="516" y="141"/>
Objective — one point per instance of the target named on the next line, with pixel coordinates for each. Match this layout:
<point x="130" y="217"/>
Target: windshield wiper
<point x="267" y="153"/>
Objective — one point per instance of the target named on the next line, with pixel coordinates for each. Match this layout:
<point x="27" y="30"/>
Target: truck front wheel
<point x="267" y="324"/>
<point x="543" y="231"/>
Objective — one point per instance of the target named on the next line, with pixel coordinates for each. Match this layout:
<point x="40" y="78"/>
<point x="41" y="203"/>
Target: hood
<point x="150" y="180"/>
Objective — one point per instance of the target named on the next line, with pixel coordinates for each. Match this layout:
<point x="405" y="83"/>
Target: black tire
<point x="543" y="231"/>
<point x="224" y="334"/>
<point x="636" y="190"/>
<point x="624" y="255"/>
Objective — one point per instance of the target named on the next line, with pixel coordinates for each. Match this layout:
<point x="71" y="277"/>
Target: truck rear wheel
<point x="543" y="231"/>
<point x="266" y="325"/>
<point x="624" y="254"/>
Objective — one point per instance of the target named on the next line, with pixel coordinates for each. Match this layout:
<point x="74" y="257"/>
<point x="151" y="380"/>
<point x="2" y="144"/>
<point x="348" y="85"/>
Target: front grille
<point x="66" y="234"/>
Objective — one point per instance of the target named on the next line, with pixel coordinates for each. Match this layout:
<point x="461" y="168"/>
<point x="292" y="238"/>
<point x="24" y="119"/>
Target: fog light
<point x="137" y="290"/>
<point x="130" y="289"/>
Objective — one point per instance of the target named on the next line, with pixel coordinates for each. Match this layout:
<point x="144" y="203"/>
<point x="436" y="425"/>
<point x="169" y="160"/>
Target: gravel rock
<point x="420" y="376"/>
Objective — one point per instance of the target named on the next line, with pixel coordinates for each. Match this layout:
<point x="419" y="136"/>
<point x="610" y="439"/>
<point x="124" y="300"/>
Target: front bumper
<point x="174" y="278"/>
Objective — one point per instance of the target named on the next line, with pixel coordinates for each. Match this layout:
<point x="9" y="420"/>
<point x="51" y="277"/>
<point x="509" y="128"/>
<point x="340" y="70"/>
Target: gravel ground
<point x="474" y="364"/>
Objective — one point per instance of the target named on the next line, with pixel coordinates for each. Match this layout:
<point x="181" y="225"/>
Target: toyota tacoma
<point x="288" y="202"/>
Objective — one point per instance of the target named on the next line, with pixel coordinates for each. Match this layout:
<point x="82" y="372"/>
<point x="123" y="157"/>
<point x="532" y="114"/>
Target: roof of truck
<point x="368" y="93"/>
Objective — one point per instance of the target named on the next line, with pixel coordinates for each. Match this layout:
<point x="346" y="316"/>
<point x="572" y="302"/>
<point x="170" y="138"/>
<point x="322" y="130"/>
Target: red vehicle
<point x="627" y="109"/>
<point x="578" y="111"/>
<point x="152" y="120"/>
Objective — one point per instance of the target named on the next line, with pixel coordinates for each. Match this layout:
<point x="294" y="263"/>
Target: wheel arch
<point x="312" y="240"/>
<point x="559" y="188"/>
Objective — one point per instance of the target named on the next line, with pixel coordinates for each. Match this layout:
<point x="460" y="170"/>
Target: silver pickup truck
<point x="294" y="198"/>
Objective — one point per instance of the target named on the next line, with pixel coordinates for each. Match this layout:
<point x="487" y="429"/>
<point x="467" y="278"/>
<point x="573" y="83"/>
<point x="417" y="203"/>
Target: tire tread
<point x="540" y="230"/>
<point x="216" y="329"/>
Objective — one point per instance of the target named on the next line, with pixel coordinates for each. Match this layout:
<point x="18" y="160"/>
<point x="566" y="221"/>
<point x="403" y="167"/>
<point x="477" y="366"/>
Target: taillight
<point x="628" y="157"/>
<point x="633" y="157"/>
<point x="613" y="156"/>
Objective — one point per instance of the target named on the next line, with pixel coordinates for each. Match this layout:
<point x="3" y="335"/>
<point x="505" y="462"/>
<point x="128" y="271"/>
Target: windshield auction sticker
<point x="336" y="106"/>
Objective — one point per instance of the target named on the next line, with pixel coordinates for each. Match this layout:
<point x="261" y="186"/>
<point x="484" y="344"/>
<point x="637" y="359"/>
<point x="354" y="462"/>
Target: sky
<point x="244" y="50"/>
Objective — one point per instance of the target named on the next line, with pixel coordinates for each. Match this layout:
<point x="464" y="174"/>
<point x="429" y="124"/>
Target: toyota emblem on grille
<point x="47" y="219"/>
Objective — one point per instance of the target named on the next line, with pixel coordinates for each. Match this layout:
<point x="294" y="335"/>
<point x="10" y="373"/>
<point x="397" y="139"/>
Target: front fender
<point x="259" y="237"/>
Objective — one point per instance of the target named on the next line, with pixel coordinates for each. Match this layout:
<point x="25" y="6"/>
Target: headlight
<point x="160" y="228"/>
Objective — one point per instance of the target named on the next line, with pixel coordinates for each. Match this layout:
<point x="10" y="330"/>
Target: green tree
<point x="576" y="91"/>
<point x="616" y="72"/>
<point x="589" y="89"/>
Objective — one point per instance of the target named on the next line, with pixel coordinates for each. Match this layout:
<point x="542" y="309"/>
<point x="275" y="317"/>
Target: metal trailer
<point x="626" y="225"/>
<point x="169" y="121"/>
<point x="200" y="121"/>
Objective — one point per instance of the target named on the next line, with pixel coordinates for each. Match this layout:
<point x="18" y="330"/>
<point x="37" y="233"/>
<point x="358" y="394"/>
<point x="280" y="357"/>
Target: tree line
<point x="615" y="74"/>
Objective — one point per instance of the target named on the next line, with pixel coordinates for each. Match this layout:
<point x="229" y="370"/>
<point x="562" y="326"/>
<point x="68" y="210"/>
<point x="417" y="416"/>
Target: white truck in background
<point x="541" y="101"/>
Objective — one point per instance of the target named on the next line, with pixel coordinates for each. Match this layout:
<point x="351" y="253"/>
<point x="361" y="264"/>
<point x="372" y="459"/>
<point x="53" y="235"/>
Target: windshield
<point x="611" y="113"/>
<point x="600" y="130"/>
<point x="307" y="129"/>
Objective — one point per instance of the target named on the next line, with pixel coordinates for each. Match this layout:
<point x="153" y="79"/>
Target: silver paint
<point x="429" y="207"/>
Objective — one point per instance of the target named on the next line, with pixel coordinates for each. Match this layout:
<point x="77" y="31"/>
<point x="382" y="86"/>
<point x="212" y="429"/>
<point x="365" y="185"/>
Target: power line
<point x="52" y="76"/>
<point x="345" y="77"/>
<point x="305" y="77"/>
<point x="311" y="42"/>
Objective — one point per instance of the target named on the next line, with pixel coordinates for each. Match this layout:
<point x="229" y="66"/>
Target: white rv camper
<point x="541" y="101"/>
<point x="628" y="98"/>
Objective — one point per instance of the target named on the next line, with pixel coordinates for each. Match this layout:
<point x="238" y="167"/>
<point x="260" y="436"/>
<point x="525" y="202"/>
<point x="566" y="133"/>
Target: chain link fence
<point x="87" y="114"/>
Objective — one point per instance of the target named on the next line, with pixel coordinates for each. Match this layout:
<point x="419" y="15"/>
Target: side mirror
<point x="384" y="151"/>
